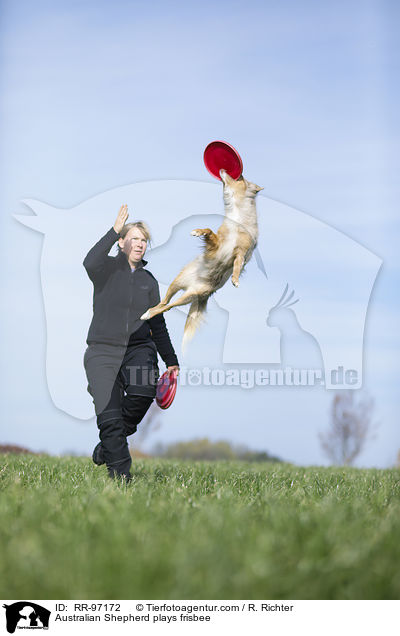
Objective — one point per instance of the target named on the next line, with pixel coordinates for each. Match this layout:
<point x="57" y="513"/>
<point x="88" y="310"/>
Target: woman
<point x="121" y="358"/>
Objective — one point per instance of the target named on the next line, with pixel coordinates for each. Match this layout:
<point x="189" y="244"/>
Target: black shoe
<point x="97" y="455"/>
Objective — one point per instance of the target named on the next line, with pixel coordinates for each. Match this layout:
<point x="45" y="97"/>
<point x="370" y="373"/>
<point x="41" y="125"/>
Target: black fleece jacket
<point x="120" y="298"/>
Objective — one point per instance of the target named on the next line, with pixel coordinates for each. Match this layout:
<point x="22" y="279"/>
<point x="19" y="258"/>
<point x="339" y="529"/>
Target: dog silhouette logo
<point x="26" y="615"/>
<point x="332" y="274"/>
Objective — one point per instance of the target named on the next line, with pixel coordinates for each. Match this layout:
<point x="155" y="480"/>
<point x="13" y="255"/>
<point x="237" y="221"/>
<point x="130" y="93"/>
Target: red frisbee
<point x="218" y="155"/>
<point x="166" y="389"/>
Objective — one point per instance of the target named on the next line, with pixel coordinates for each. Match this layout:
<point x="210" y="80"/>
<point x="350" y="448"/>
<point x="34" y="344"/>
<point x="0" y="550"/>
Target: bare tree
<point x="350" y="428"/>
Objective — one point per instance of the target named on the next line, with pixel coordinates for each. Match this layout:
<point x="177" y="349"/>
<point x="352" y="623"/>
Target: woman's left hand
<point x="174" y="368"/>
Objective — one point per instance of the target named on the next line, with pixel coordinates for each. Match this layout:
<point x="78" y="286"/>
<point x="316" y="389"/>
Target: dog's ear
<point x="255" y="188"/>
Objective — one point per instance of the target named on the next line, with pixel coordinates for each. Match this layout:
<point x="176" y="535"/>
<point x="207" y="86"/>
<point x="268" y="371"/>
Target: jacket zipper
<point x="130" y="303"/>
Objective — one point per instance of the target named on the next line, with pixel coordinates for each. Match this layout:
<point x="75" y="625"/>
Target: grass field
<point x="197" y="531"/>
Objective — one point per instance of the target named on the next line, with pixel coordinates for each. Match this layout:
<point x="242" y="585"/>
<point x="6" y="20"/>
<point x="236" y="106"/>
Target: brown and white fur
<point x="225" y="254"/>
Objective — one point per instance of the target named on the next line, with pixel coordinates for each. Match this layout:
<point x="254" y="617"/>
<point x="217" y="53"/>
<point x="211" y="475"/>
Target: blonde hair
<point x="141" y="225"/>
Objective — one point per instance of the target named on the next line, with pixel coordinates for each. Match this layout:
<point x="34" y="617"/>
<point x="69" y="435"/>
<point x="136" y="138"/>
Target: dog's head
<point x="237" y="189"/>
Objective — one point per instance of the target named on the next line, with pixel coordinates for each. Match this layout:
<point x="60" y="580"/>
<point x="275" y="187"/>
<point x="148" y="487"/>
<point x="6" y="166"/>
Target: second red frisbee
<point x="220" y="155"/>
<point x="166" y="389"/>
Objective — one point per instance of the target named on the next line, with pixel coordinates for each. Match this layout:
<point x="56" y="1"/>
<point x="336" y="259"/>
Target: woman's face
<point x="134" y="245"/>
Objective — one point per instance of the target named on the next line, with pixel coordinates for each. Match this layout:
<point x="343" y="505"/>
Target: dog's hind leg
<point x="185" y="299"/>
<point x="174" y="287"/>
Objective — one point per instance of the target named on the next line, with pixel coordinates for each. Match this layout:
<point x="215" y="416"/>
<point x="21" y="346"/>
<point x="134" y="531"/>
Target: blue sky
<point x="97" y="95"/>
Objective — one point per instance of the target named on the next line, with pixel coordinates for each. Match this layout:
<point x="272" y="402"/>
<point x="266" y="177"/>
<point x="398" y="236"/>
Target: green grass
<point x="186" y="530"/>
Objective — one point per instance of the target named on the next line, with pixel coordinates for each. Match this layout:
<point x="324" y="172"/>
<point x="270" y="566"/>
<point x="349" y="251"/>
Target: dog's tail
<point x="194" y="319"/>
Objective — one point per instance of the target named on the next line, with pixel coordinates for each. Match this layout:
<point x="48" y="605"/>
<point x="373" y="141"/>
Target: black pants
<point x="122" y="383"/>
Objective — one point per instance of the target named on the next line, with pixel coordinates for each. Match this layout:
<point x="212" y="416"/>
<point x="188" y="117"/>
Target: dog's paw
<point x="201" y="232"/>
<point x="235" y="282"/>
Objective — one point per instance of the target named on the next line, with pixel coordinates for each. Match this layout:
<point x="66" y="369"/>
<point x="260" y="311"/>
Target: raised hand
<point x="121" y="218"/>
